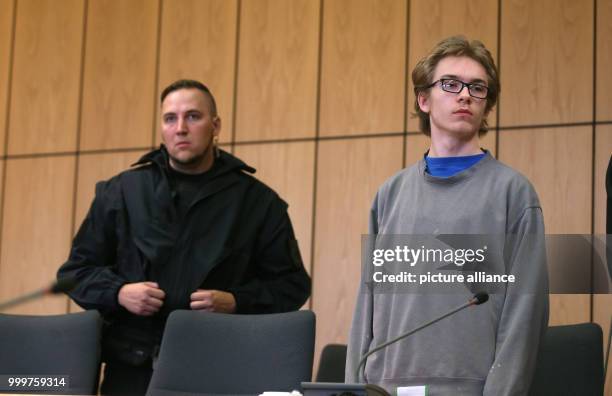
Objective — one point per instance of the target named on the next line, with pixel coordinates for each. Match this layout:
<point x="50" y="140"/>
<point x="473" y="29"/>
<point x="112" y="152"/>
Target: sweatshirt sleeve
<point x="360" y="335"/>
<point x="524" y="316"/>
<point x="92" y="257"/>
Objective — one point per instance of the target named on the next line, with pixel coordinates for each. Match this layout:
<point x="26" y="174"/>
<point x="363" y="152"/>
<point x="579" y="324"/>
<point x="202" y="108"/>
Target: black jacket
<point x="235" y="237"/>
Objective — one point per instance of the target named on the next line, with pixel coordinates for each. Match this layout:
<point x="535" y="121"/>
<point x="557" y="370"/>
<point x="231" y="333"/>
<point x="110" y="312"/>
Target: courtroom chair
<point x="570" y="362"/>
<point x="332" y="363"/>
<point x="66" y="345"/>
<point x="212" y="353"/>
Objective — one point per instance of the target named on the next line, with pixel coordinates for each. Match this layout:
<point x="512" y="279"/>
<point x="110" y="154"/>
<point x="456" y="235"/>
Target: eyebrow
<point x="190" y="111"/>
<point x="454" y="77"/>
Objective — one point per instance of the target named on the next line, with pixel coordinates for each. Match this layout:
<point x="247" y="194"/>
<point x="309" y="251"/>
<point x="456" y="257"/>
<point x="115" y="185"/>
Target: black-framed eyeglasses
<point x="475" y="90"/>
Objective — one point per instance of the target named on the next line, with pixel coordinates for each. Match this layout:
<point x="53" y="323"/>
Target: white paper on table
<point x="412" y="390"/>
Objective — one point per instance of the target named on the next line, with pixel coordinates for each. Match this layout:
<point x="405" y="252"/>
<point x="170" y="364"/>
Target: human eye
<point x="169" y="118"/>
<point x="478" y="89"/>
<point x="193" y="116"/>
<point x="451" y="85"/>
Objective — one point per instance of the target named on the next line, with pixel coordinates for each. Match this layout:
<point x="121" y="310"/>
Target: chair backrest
<point x="570" y="361"/>
<point x="64" y="345"/>
<point x="332" y="363"/>
<point x="211" y="353"/>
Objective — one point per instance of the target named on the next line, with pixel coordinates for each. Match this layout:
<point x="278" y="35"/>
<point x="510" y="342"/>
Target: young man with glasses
<point x="457" y="189"/>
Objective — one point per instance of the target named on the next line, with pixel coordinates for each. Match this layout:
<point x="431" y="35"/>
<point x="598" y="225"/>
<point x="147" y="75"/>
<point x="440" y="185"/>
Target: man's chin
<point x="187" y="160"/>
<point x="462" y="130"/>
<point x="466" y="132"/>
<point x="189" y="164"/>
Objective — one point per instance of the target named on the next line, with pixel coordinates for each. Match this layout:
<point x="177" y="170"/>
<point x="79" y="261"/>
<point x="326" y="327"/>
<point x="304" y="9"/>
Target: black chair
<point x="332" y="363"/>
<point x="66" y="345"/>
<point x="212" y="354"/>
<point x="570" y="362"/>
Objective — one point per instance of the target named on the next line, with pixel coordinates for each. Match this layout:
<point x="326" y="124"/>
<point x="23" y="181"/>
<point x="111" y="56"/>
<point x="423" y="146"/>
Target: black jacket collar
<point x="227" y="161"/>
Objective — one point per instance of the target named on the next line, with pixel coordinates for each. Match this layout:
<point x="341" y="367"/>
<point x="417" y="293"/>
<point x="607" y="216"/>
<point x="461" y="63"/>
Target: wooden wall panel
<point x="551" y="43"/>
<point x="1" y="206"/>
<point x="288" y="168"/>
<point x="6" y="40"/>
<point x="198" y="41"/>
<point x="119" y="81"/>
<point x="604" y="61"/>
<point x="569" y="308"/>
<point x="558" y="164"/>
<point x="432" y="21"/>
<point x="488" y="141"/>
<point x="345" y="190"/>
<point x="37" y="214"/>
<point x="277" y="74"/>
<point x="46" y="75"/>
<point x="363" y="66"/>
<point x="416" y="146"/>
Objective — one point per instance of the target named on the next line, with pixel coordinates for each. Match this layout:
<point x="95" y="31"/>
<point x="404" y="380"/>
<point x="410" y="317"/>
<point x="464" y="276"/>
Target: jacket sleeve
<point x="92" y="256"/>
<point x="360" y="336"/>
<point x="280" y="282"/>
<point x="524" y="316"/>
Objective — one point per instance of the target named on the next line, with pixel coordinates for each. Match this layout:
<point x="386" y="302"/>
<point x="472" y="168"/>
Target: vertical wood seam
<point x="315" y="173"/>
<point x="9" y="88"/>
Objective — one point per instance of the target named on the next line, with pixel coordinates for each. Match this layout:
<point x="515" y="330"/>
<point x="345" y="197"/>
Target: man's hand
<point x="142" y="298"/>
<point x="213" y="301"/>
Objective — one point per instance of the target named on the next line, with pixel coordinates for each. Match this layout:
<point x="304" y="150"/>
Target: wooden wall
<point x="313" y="93"/>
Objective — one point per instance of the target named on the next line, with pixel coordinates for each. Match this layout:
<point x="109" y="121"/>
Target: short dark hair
<point x="423" y="73"/>
<point x="190" y="84"/>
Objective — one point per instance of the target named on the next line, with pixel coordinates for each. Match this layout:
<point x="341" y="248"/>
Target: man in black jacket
<point x="187" y="228"/>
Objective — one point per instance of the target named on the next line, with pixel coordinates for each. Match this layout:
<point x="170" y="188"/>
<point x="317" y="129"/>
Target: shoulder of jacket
<point x="248" y="179"/>
<point x="260" y="189"/>
<point x="113" y="187"/>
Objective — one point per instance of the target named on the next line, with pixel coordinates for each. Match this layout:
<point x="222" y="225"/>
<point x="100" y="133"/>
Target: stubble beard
<point x="191" y="162"/>
<point x="460" y="133"/>
<point x="197" y="158"/>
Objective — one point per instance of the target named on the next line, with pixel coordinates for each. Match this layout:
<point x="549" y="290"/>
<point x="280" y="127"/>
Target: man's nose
<point x="464" y="94"/>
<point x="181" y="126"/>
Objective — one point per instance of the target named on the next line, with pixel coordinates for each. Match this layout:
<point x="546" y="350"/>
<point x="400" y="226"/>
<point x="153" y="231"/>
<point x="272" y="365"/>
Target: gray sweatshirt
<point x="489" y="349"/>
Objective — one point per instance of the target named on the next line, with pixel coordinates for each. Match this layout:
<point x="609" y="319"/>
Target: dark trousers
<point x="125" y="380"/>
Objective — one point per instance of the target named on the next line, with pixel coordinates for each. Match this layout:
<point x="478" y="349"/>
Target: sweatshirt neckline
<point x="463" y="175"/>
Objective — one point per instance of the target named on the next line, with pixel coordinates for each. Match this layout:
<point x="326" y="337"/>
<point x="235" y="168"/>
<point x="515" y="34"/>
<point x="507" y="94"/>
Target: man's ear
<point x="423" y="101"/>
<point x="217" y="125"/>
